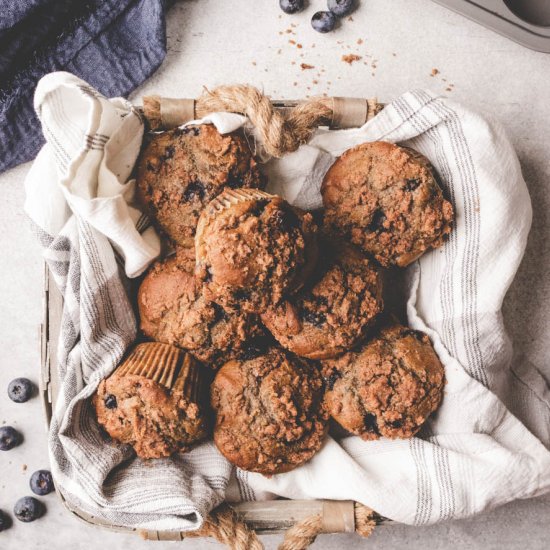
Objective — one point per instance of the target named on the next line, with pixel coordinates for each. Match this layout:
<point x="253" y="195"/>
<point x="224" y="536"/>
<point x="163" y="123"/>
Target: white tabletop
<point x="400" y="43"/>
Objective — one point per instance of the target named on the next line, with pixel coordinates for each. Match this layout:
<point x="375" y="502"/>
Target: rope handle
<point x="224" y="525"/>
<point x="281" y="131"/>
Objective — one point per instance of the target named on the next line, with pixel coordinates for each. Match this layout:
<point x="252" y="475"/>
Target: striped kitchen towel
<point x="487" y="444"/>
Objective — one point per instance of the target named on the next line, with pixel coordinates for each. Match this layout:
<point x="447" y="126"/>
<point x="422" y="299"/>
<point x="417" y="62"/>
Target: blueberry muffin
<point x="180" y="171"/>
<point x="385" y="199"/>
<point x="253" y="249"/>
<point x="332" y="313"/>
<point x="156" y="401"/>
<point x="270" y="416"/>
<point x="387" y="387"/>
<point x="173" y="310"/>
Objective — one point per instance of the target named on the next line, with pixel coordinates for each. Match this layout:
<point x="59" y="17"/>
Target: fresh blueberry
<point x="341" y="8"/>
<point x="323" y="21"/>
<point x="291" y="6"/>
<point x="5" y="522"/>
<point x="28" y="509"/>
<point x="20" y="390"/>
<point x="9" y="438"/>
<point x="41" y="482"/>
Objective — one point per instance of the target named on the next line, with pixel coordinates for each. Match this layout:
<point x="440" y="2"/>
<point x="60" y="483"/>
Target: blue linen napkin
<point x="112" y="44"/>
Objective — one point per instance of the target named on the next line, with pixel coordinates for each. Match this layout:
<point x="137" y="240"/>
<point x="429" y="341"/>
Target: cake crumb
<point x="293" y="42"/>
<point x="254" y="63"/>
<point x="394" y="54"/>
<point x="350" y="58"/>
<point x="350" y="18"/>
<point x="434" y="72"/>
<point x="299" y="46"/>
<point x="359" y="41"/>
<point x="306" y="66"/>
<point x="24" y="467"/>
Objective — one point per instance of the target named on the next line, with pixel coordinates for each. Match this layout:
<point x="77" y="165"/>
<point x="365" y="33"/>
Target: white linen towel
<point x="487" y="444"/>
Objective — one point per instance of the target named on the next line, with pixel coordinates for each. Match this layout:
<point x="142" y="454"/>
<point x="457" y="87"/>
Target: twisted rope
<point x="280" y="133"/>
<point x="223" y="525"/>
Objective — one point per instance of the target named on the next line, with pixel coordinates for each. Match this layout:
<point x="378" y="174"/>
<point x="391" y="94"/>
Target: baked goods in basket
<point x="182" y="170"/>
<point x="387" y="387"/>
<point x="173" y="310"/>
<point x="333" y="311"/>
<point x="270" y="416"/>
<point x="156" y="400"/>
<point x="253" y="249"/>
<point x="385" y="199"/>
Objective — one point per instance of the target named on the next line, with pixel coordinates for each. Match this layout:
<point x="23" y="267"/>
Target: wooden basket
<point x="266" y="517"/>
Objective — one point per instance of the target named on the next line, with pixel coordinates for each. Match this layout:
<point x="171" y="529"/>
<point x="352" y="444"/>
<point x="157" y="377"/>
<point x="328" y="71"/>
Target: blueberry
<point x="41" y="482"/>
<point x="323" y="21"/>
<point x="28" y="509"/>
<point x="291" y="6"/>
<point x="110" y="401"/>
<point x="9" y="438"/>
<point x="340" y="8"/>
<point x="4" y="521"/>
<point x="20" y="390"/>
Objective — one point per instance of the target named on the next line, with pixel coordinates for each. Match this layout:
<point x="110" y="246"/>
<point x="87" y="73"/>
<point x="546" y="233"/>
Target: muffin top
<point x="388" y="387"/>
<point x="180" y="171"/>
<point x="156" y="401"/>
<point x="385" y="199"/>
<point x="270" y="416"/>
<point x="331" y="313"/>
<point x="253" y="249"/>
<point x="173" y="310"/>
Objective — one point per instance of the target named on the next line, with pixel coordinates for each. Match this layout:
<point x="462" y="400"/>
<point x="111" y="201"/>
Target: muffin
<point x="173" y="310"/>
<point x="388" y="387"/>
<point x="156" y="401"/>
<point x="385" y="199"/>
<point x="253" y="249"/>
<point x="180" y="171"/>
<point x="270" y="416"/>
<point x="330" y="315"/>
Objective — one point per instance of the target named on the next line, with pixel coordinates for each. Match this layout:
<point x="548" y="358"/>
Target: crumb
<point x="313" y="46"/>
<point x="289" y="31"/>
<point x="254" y="63"/>
<point x="325" y="94"/>
<point x="339" y="42"/>
<point x="350" y="58"/>
<point x="295" y="83"/>
<point x="315" y="82"/>
<point x="279" y="51"/>
<point x="308" y="88"/>
<point x="359" y="41"/>
<point x="280" y="32"/>
<point x="448" y="89"/>
<point x="305" y="66"/>
<point x="451" y="85"/>
<point x="434" y="72"/>
<point x="350" y="18"/>
<point x="394" y="54"/>
<point x="444" y="79"/>
<point x="293" y="42"/>
<point x="24" y="467"/>
<point x="293" y="25"/>
<point x="293" y="62"/>
<point x="299" y="46"/>
<point x="373" y="73"/>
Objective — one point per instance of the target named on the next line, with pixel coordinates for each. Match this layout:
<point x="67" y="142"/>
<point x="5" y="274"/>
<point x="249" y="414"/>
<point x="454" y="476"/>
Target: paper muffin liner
<point x="231" y="197"/>
<point x="166" y="365"/>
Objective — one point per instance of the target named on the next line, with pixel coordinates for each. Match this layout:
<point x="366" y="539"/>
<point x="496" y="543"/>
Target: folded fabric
<point x="113" y="44"/>
<point x="472" y="455"/>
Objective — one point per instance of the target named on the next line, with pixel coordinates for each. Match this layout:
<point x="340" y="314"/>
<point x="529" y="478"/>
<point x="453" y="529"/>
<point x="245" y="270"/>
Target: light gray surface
<point x="213" y="42"/>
